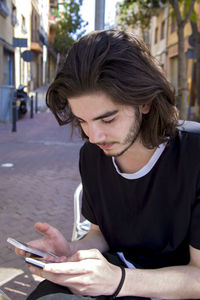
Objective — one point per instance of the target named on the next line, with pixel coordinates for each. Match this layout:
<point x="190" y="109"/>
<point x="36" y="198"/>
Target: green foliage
<point x="138" y="12"/>
<point x="69" y="27"/>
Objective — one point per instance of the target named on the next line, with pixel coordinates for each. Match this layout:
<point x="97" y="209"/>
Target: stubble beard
<point x="131" y="137"/>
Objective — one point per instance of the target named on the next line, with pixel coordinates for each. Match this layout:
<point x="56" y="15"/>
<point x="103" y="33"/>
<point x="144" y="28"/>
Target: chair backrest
<point x="80" y="228"/>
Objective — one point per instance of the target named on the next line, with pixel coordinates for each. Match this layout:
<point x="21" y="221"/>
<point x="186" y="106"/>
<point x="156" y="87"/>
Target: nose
<point x="96" y="134"/>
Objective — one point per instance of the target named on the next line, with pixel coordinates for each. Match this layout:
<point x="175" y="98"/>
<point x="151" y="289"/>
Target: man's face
<point x="112" y="127"/>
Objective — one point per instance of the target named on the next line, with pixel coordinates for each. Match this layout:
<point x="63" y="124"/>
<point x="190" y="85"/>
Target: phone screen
<point x="35" y="262"/>
<point x="29" y="249"/>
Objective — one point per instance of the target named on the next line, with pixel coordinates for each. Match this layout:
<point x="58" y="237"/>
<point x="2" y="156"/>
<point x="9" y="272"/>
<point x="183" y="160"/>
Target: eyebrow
<point x="105" y="115"/>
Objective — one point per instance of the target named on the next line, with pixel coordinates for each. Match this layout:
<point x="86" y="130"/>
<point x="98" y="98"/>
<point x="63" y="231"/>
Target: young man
<point x="140" y="173"/>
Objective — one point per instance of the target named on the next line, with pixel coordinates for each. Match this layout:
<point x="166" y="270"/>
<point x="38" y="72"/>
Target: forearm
<point x="182" y="282"/>
<point x="94" y="239"/>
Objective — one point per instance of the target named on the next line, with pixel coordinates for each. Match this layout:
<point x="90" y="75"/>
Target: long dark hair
<point x="120" y="65"/>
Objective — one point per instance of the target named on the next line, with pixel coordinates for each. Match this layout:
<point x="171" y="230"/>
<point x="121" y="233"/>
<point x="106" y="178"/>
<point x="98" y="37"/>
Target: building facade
<point x="27" y="30"/>
<point x="7" y="23"/>
<point x="158" y="36"/>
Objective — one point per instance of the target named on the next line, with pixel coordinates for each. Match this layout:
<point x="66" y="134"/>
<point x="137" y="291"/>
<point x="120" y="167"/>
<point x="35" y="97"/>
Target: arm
<point x="93" y="239"/>
<point x="179" y="282"/>
<point x="88" y="273"/>
<point x="54" y="242"/>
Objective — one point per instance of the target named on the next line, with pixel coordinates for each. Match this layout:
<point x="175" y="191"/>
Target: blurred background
<point x="35" y="36"/>
<point x="38" y="159"/>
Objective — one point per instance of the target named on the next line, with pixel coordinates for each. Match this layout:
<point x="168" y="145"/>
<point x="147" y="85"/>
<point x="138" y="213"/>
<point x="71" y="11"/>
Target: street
<point x="38" y="176"/>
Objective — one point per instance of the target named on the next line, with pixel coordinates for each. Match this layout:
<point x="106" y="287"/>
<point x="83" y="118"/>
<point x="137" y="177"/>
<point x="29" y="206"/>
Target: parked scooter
<point x="22" y="100"/>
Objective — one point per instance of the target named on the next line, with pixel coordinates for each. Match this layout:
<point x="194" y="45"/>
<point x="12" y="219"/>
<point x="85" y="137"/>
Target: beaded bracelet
<point x="120" y="283"/>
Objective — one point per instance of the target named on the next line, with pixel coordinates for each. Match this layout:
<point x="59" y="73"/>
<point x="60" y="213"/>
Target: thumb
<point x="85" y="254"/>
<point x="46" y="229"/>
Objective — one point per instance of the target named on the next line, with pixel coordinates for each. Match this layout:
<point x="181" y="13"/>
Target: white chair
<point x="80" y="228"/>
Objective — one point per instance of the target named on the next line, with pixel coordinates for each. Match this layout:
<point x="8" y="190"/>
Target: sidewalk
<point x="38" y="186"/>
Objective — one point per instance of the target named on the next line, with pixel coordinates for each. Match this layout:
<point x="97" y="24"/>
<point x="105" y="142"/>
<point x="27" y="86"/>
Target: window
<point x="23" y="25"/>
<point x="173" y="24"/>
<point x="162" y="31"/>
<point x="8" y="67"/>
<point x="156" y="36"/>
<point x="14" y="15"/>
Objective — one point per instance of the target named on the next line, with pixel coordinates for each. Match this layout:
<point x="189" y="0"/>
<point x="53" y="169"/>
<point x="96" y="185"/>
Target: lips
<point x="105" y="147"/>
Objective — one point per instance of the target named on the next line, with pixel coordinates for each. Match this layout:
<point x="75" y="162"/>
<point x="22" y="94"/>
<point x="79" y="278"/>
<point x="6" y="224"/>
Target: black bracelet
<point x="120" y="284"/>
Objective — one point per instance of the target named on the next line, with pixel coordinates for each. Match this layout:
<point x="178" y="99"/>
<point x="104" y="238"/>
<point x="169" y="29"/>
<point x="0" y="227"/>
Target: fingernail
<point x="46" y="268"/>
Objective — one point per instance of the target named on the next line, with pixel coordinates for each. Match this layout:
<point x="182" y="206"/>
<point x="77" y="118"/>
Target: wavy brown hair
<point x="120" y="65"/>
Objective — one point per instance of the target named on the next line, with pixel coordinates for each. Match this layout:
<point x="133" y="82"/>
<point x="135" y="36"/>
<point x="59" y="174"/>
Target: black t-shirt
<point x="152" y="219"/>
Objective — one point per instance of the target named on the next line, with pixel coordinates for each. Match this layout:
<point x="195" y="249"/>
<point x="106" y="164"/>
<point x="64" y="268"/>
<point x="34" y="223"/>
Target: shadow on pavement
<point x="18" y="284"/>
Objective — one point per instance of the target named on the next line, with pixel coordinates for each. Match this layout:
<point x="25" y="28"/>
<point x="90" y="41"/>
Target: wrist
<point x="74" y="247"/>
<point x="120" y="285"/>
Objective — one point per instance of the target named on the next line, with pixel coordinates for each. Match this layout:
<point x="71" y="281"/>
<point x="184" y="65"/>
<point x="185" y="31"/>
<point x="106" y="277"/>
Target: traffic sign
<point x="191" y="40"/>
<point x="18" y="42"/>
<point x="27" y="56"/>
<point x="190" y="54"/>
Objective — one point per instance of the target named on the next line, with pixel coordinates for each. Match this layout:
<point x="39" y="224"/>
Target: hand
<point x="53" y="241"/>
<point x="87" y="272"/>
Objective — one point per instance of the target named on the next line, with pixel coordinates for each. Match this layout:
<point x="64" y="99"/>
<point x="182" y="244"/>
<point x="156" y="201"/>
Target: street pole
<point x="14" y="113"/>
<point x="19" y="65"/>
<point x="99" y="14"/>
<point x="36" y="102"/>
<point x="31" y="107"/>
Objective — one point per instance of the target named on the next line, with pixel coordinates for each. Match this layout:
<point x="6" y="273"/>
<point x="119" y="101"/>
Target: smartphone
<point x="35" y="262"/>
<point x="29" y="249"/>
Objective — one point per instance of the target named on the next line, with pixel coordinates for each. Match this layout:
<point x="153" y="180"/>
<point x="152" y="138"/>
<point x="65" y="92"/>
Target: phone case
<point x="35" y="262"/>
<point x="27" y="248"/>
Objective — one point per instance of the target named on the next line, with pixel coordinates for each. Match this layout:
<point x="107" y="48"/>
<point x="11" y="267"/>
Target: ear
<point x="145" y="108"/>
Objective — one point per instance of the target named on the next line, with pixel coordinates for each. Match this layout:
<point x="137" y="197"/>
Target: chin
<point x="113" y="153"/>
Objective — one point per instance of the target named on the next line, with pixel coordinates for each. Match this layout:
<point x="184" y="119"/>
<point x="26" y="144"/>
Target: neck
<point x="135" y="158"/>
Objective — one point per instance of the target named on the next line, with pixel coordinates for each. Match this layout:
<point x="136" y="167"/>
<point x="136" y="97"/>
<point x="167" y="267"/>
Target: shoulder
<point x="189" y="132"/>
<point x="187" y="140"/>
<point x="189" y="127"/>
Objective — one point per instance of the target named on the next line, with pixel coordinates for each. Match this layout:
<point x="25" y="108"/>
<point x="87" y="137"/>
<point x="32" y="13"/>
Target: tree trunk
<point x="196" y="35"/>
<point x="182" y="71"/>
<point x="182" y="75"/>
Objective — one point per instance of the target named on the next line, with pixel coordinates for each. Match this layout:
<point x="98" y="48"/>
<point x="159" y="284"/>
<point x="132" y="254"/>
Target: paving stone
<point x="38" y="187"/>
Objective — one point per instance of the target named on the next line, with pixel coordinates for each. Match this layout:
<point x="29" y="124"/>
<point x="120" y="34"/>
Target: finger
<point x="70" y="268"/>
<point x="51" y="259"/>
<point x="56" y="278"/>
<point x="42" y="227"/>
<point x="61" y="259"/>
<point x="46" y="229"/>
<point x="85" y="254"/>
<point x="20" y="252"/>
<point x="36" y="271"/>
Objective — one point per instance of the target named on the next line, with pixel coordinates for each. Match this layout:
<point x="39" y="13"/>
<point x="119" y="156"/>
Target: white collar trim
<point x="147" y="168"/>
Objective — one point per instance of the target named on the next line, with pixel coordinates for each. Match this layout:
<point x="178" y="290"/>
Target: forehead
<point x="92" y="104"/>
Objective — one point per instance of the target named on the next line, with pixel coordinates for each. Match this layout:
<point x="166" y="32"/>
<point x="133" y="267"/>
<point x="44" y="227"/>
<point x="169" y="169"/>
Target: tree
<point x="138" y="13"/>
<point x="196" y="37"/>
<point x="182" y="10"/>
<point x="69" y="26"/>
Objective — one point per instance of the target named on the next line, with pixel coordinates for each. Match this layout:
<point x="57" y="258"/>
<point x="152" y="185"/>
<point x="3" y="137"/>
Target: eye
<point x="79" y="121"/>
<point x="108" y="121"/>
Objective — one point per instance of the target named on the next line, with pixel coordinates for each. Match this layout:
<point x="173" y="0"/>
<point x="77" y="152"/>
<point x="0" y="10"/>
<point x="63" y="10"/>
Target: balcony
<point x="4" y="11"/>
